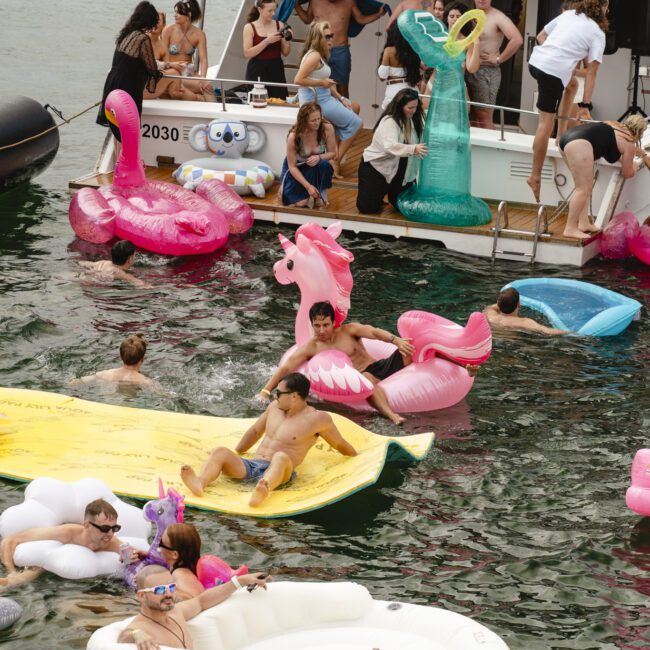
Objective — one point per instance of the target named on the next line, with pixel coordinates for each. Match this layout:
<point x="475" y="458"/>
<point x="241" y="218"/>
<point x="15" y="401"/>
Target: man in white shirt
<point x="483" y="86"/>
<point x="574" y="35"/>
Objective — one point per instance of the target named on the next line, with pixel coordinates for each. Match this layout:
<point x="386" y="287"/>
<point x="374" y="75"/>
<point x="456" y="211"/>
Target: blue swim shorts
<point x="256" y="467"/>
<point x="340" y="62"/>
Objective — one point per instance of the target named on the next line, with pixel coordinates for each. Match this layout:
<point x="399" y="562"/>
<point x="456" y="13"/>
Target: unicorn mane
<point x="339" y="260"/>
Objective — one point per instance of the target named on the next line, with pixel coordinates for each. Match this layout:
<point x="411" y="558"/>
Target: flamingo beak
<point x="110" y="116"/>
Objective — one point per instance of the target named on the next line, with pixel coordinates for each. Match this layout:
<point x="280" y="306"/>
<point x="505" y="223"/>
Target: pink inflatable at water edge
<point x="212" y="571"/>
<point x="321" y="269"/>
<point x="640" y="243"/>
<point x="637" y="496"/>
<point x="155" y="215"/>
<point x="617" y="234"/>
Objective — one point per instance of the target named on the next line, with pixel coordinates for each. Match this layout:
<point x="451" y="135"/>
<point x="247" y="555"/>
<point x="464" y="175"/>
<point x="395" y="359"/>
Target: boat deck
<point x="342" y="207"/>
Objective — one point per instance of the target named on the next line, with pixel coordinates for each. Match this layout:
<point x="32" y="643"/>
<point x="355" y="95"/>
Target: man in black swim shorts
<point x="347" y="339"/>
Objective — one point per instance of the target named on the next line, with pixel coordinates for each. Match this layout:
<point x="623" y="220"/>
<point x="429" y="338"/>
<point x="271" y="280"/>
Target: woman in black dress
<point x="134" y="63"/>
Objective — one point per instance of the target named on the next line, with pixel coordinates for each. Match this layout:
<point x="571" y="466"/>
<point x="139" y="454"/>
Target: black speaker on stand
<point x="634" y="108"/>
<point x="630" y="20"/>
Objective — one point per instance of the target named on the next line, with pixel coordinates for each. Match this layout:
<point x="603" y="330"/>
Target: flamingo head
<point x="121" y="111"/>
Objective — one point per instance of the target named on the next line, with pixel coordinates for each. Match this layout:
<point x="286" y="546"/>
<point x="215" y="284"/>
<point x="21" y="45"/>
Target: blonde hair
<point x="314" y="40"/>
<point x="636" y="125"/>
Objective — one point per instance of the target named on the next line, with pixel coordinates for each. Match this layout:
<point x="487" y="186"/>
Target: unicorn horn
<point x="286" y="244"/>
<point x="161" y="489"/>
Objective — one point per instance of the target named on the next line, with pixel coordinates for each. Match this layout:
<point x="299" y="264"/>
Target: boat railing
<point x="502" y="110"/>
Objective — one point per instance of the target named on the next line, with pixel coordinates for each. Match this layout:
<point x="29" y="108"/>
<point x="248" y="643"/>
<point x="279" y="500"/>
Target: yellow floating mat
<point x="46" y="434"/>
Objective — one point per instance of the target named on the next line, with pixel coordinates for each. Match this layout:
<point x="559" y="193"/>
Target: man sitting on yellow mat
<point x="290" y="428"/>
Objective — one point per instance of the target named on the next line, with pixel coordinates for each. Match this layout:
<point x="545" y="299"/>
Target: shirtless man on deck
<point x="483" y="86"/>
<point x="96" y="533"/>
<point x="290" y="428"/>
<point x="337" y="13"/>
<point x="505" y="315"/>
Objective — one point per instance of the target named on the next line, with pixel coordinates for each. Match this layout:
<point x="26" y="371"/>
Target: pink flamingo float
<point x="155" y="215"/>
<point x="321" y="269"/>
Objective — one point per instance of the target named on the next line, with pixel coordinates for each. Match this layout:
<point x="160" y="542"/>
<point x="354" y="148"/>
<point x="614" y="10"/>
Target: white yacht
<point x="501" y="158"/>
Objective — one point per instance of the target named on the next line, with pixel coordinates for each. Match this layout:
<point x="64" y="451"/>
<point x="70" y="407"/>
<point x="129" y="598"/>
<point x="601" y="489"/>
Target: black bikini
<point x="601" y="136"/>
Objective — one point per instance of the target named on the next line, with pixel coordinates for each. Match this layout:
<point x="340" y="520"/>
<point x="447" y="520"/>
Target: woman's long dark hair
<point x="188" y="8"/>
<point x="406" y="55"/>
<point x="185" y="540"/>
<point x="254" y="11"/>
<point x="459" y="6"/>
<point x="299" y="128"/>
<point x="144" y="17"/>
<point x="396" y="110"/>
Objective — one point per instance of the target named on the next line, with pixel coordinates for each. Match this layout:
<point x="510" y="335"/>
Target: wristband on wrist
<point x="235" y="581"/>
<point x="392" y="338"/>
<point x="266" y="391"/>
<point x="587" y="105"/>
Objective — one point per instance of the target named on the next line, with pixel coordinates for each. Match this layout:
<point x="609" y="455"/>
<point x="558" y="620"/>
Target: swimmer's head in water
<point x="296" y="382"/>
<point x="133" y="349"/>
<point x="508" y="300"/>
<point x="121" y="251"/>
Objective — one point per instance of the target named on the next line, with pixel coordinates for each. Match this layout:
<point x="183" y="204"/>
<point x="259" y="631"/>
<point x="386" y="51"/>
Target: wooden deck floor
<point x="342" y="203"/>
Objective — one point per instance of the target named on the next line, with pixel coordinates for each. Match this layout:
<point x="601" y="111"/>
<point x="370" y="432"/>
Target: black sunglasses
<point x="105" y="528"/>
<point x="277" y="392"/>
<point x="167" y="548"/>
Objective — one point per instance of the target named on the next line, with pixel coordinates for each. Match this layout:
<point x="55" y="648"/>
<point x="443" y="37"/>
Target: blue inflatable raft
<point x="578" y="307"/>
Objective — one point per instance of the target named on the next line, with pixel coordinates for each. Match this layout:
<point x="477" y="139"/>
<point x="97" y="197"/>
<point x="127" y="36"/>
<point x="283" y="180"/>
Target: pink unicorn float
<point x="321" y="269"/>
<point x="155" y="215"/>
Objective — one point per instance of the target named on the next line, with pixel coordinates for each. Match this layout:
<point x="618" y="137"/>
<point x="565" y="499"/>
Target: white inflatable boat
<point x="322" y="616"/>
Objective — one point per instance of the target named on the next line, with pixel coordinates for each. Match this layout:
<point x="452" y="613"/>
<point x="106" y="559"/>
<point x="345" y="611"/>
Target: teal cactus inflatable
<point x="442" y="194"/>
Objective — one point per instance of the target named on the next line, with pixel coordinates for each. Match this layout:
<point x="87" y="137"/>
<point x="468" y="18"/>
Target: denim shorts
<point x="256" y="467"/>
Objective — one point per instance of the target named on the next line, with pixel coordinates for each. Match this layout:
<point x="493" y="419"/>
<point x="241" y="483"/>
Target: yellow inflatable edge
<point x="63" y="437"/>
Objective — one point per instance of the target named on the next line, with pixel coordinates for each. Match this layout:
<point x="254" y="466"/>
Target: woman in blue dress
<point x="306" y="171"/>
<point x="314" y="75"/>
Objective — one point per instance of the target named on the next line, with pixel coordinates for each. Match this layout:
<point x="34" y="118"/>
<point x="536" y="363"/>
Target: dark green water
<point x="517" y="516"/>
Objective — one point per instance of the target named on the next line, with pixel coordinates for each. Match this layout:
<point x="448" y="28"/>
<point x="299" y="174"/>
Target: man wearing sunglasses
<point x="96" y="533"/>
<point x="162" y="621"/>
<point x="290" y="428"/>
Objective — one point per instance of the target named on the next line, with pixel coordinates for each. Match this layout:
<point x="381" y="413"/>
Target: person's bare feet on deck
<point x="260" y="493"/>
<point x="191" y="480"/>
<point x="577" y="234"/>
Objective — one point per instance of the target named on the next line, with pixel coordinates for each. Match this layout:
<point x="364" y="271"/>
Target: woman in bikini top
<point x="181" y="41"/>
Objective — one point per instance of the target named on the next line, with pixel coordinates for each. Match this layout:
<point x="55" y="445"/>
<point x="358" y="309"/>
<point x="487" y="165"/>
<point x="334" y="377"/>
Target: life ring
<point x="454" y="47"/>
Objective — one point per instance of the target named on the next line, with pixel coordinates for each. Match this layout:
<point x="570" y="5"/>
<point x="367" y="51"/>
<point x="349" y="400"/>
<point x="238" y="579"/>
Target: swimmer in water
<point x="132" y="351"/>
<point x="122" y="258"/>
<point x="289" y="428"/>
<point x="505" y="315"/>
